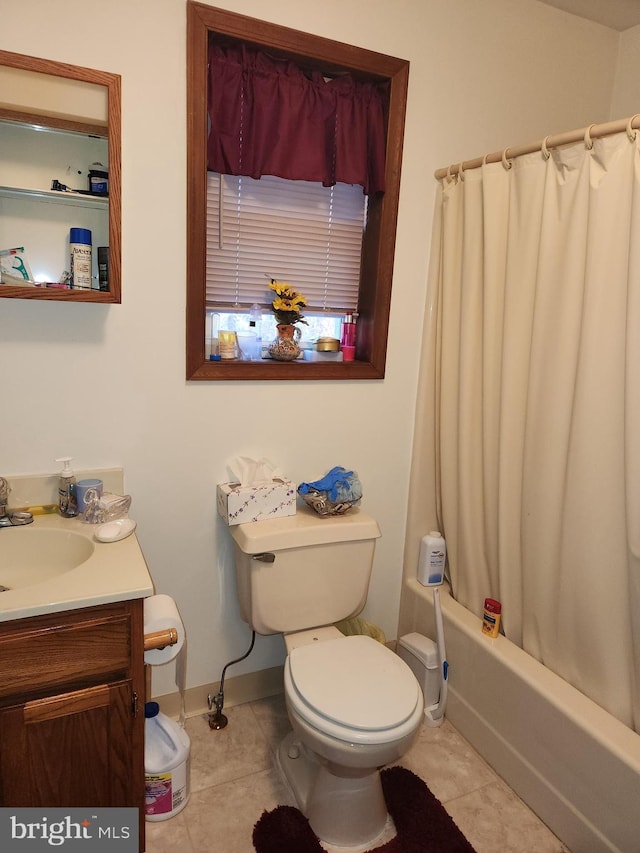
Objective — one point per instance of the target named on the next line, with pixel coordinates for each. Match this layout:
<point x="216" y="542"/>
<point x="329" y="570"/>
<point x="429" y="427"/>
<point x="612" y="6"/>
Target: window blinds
<point x="295" y="231"/>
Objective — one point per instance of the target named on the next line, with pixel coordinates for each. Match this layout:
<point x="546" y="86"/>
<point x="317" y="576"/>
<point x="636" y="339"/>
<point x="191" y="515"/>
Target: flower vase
<point x="285" y="347"/>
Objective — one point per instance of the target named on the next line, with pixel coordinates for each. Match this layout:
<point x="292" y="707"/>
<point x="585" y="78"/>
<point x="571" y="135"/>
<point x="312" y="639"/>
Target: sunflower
<point x="287" y="304"/>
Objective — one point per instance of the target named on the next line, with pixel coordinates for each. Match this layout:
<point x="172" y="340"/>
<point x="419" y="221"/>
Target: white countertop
<point x="115" y="571"/>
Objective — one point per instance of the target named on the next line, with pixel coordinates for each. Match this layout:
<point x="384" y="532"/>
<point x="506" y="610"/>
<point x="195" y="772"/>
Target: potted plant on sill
<point x="287" y="305"/>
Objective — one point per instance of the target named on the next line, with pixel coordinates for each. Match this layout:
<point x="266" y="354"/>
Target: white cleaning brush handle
<point x="434" y="714"/>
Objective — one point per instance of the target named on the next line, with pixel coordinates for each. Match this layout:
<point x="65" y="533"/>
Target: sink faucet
<point x="14" y="519"/>
<point x="4" y="499"/>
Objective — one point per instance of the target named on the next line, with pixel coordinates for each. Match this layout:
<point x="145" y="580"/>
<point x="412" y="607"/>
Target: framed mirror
<point x="60" y="187"/>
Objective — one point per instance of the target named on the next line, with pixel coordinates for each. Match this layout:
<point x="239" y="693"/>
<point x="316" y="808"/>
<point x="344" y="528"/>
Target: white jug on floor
<point x="166" y="765"/>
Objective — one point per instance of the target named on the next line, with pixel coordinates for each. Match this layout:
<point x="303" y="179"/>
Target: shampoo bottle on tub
<point x="433" y="552"/>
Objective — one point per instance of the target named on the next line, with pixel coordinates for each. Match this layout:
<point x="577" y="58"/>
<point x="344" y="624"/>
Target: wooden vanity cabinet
<point x="72" y="709"/>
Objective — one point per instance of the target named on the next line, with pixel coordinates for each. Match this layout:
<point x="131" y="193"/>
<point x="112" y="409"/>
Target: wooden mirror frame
<point x="380" y="234"/>
<point x="111" y="82"/>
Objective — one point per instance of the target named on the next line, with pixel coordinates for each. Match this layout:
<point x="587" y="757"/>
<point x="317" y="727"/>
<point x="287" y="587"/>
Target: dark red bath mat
<point x="422" y="823"/>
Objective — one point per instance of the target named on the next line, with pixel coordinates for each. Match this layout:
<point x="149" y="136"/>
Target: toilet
<point x="353" y="704"/>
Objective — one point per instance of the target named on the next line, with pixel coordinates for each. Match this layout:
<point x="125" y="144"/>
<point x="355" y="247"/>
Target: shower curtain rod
<point x="586" y="133"/>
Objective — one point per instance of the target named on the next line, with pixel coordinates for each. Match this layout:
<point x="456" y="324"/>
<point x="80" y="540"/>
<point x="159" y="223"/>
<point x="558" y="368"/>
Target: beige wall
<point x="626" y="93"/>
<point x="106" y="383"/>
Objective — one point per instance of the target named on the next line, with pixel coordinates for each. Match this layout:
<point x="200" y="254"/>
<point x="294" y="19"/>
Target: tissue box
<point x="238" y="504"/>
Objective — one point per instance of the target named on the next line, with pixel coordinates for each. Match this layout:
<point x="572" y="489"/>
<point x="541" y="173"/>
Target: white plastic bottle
<point x="255" y="331"/>
<point x="166" y="765"/>
<point x="67" y="504"/>
<point x="433" y="552"/>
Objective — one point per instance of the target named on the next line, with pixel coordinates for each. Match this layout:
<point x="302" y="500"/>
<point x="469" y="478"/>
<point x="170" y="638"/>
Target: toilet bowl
<point x="353" y="704"/>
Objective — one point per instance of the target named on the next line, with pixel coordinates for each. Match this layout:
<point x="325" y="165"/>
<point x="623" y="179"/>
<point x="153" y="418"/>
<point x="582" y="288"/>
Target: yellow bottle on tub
<point x="491" y="617"/>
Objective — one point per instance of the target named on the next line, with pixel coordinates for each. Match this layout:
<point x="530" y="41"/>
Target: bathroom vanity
<point x="72" y="708"/>
<point x="72" y="679"/>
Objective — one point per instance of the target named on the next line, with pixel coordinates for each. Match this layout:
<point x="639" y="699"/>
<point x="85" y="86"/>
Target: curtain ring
<point x="588" y="141"/>
<point x="461" y="171"/>
<point x="505" y="162"/>
<point x="449" y="175"/>
<point x="631" y="133"/>
<point x="545" y="151"/>
<point x="484" y="159"/>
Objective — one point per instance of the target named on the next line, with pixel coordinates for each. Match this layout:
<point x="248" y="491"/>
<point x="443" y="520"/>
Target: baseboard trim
<point x="237" y="691"/>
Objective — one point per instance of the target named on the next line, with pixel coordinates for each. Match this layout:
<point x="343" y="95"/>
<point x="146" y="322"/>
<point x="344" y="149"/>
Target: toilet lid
<point x="355" y="681"/>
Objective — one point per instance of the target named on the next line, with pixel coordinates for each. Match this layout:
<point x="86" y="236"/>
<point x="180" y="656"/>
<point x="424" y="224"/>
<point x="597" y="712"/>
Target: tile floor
<point x="234" y="778"/>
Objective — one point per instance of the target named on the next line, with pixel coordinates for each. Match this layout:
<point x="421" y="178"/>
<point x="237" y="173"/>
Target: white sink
<point x="56" y="564"/>
<point x="31" y="555"/>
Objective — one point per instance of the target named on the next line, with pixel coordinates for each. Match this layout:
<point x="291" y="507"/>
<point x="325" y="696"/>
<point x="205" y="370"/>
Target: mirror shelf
<point x="75" y="199"/>
<point x="59" y="102"/>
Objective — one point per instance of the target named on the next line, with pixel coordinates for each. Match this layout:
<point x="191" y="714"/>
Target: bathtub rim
<point x="570" y="782"/>
<point x="604" y="727"/>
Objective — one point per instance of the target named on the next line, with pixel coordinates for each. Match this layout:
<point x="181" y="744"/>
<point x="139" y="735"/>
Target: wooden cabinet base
<point x="72" y="709"/>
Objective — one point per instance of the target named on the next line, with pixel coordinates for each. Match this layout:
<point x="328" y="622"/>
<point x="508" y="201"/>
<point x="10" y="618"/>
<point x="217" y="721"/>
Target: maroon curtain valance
<point x="269" y="117"/>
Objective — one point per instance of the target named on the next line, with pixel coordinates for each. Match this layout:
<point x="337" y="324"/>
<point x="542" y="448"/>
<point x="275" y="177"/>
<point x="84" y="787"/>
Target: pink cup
<point x="348" y="353"/>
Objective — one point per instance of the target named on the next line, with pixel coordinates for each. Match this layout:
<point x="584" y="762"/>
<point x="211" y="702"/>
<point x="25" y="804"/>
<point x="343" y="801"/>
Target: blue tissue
<point x="338" y="483"/>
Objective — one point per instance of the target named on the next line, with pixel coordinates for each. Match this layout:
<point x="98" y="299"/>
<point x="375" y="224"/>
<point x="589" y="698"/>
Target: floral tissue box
<point x="238" y="504"/>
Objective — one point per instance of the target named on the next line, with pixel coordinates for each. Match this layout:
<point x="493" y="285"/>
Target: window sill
<point x="280" y="370"/>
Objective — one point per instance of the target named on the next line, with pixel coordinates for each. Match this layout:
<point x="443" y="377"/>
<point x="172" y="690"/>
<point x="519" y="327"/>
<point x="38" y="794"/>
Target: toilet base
<point x="345" y="806"/>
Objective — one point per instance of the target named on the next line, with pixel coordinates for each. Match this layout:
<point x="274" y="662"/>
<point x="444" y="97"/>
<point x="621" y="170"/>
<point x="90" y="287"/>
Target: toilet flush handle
<point x="266" y="557"/>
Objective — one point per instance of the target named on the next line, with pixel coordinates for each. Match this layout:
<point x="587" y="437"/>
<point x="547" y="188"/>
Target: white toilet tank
<point x="303" y="571"/>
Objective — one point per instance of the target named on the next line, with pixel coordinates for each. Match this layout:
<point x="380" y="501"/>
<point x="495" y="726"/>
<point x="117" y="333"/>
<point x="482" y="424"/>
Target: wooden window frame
<point x="380" y="235"/>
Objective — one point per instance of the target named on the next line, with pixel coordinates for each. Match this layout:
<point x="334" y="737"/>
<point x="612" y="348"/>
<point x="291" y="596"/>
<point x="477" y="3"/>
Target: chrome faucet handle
<point x="4" y="496"/>
<point x="20" y="518"/>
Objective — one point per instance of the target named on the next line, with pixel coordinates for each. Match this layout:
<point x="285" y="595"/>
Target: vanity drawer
<point x="48" y="652"/>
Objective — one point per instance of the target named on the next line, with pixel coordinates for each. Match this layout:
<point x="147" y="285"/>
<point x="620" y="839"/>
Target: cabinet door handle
<point x="134" y="704"/>
<point x="66" y="703"/>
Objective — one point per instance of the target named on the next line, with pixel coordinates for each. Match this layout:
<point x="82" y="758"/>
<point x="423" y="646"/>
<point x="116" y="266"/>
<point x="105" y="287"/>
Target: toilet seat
<point x="354" y="689"/>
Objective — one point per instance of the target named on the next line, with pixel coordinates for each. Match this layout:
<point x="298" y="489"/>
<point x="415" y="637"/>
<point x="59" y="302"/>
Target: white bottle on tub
<point x="433" y="553"/>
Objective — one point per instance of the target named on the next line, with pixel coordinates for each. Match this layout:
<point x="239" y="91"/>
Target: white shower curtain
<point x="535" y="291"/>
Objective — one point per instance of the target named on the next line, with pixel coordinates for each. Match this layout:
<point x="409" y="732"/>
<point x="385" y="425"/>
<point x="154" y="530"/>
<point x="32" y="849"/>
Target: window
<point x="378" y="235"/>
<point x="294" y="231"/>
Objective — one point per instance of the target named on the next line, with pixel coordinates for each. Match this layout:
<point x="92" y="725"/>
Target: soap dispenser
<point x="67" y="490"/>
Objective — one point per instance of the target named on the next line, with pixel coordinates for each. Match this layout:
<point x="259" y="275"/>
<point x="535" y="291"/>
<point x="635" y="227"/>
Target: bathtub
<point x="576" y="766"/>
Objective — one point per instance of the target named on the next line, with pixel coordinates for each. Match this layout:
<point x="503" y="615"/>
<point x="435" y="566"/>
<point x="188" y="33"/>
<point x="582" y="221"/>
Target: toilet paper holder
<point x="160" y="639"/>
